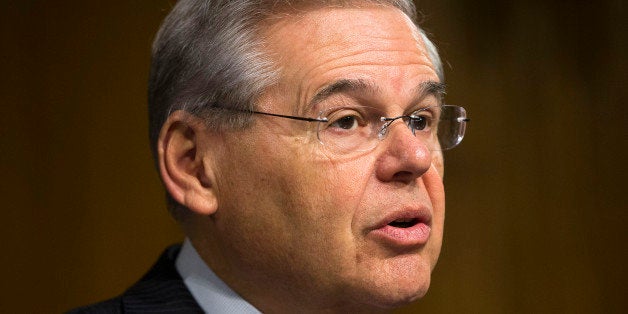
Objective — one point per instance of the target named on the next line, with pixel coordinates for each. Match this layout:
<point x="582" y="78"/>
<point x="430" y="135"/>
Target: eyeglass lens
<point x="360" y="128"/>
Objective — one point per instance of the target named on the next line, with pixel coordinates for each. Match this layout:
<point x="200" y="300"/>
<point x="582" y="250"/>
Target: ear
<point x="183" y="158"/>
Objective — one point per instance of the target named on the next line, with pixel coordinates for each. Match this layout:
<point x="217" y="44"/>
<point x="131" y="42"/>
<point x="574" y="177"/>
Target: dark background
<point x="536" y="213"/>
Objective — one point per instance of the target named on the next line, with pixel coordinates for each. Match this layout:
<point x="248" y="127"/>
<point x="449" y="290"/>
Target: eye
<point x="421" y="120"/>
<point x="346" y="119"/>
<point x="346" y="123"/>
<point x="418" y="123"/>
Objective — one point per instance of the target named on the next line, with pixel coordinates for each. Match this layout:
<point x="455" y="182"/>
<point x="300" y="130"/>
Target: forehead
<point x="331" y="27"/>
<point x="315" y="48"/>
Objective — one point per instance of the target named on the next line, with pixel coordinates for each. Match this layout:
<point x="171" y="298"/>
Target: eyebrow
<point x="427" y="88"/>
<point x="423" y="90"/>
<point x="342" y="86"/>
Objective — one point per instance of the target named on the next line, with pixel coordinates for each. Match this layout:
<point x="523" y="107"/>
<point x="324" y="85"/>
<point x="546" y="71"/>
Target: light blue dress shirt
<point x="211" y="293"/>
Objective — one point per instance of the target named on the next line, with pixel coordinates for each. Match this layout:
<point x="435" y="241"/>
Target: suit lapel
<point x="161" y="290"/>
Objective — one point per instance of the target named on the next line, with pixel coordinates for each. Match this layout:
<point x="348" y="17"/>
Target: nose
<point x="404" y="157"/>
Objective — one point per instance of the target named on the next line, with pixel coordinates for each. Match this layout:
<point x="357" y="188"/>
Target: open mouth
<point x="404" y="228"/>
<point x="404" y="223"/>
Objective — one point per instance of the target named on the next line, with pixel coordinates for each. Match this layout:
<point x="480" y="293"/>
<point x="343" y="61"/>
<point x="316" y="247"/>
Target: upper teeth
<point x="404" y="220"/>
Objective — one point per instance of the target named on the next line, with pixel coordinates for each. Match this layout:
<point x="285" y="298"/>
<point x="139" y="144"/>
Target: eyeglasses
<point x="360" y="128"/>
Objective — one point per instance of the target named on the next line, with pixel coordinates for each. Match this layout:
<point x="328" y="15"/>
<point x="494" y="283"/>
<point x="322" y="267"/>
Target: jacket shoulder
<point x="160" y="290"/>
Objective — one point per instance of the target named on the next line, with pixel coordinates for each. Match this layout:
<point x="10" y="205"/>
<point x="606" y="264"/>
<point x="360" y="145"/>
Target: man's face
<point x="313" y="227"/>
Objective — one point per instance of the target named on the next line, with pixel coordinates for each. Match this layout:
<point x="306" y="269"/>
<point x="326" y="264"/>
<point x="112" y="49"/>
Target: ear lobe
<point x="181" y="163"/>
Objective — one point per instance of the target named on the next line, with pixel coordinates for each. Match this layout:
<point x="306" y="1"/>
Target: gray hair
<point x="207" y="56"/>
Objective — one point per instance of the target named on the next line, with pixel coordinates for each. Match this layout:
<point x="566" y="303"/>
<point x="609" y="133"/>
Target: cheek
<point x="439" y="163"/>
<point x="319" y="207"/>
<point x="325" y="197"/>
<point x="292" y="195"/>
<point x="301" y="216"/>
<point x="436" y="192"/>
<point x="345" y="189"/>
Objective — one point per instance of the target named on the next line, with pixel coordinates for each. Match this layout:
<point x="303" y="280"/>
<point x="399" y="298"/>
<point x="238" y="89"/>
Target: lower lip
<point x="415" y="235"/>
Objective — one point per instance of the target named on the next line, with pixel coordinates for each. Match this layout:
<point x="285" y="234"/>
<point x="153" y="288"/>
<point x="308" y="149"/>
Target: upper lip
<point x="421" y="214"/>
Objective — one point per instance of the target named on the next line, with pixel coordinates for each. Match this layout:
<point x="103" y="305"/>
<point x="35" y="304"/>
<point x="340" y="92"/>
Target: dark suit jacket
<point x="161" y="290"/>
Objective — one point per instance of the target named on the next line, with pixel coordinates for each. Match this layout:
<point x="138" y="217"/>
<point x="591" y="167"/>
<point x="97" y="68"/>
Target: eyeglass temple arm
<point x="289" y="117"/>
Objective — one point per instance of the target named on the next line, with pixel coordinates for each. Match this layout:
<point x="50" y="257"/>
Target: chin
<point x="401" y="285"/>
<point x="400" y="297"/>
<point x="395" y="293"/>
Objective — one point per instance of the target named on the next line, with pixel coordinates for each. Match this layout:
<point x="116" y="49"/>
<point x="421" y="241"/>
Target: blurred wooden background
<point x="536" y="215"/>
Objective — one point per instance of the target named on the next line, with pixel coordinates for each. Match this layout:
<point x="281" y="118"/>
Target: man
<point x="300" y="144"/>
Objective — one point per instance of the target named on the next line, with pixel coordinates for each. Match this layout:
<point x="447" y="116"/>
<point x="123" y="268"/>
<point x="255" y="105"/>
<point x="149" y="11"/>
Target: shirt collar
<point x="211" y="293"/>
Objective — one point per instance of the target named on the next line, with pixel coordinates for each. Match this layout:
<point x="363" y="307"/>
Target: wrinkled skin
<point x="294" y="221"/>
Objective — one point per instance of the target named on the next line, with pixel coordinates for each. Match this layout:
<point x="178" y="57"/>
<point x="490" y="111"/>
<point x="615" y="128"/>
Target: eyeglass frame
<point x="381" y="133"/>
